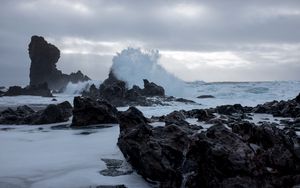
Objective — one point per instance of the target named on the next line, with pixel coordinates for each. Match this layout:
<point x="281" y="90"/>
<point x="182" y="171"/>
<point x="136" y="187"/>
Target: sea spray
<point x="78" y="88"/>
<point x="133" y="65"/>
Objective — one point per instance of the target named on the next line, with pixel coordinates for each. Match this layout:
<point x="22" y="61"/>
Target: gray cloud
<point x="261" y="34"/>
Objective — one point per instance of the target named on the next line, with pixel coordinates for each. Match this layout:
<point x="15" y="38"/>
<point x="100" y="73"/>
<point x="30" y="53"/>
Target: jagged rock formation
<point x="91" y="112"/>
<point x="116" y="92"/>
<point x="178" y="156"/>
<point x="290" y="108"/>
<point x="44" y="57"/>
<point x="25" y="115"/>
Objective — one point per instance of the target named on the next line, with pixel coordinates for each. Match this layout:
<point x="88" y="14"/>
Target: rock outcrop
<point x="290" y="108"/>
<point x="151" y="89"/>
<point x="116" y="92"/>
<point x="44" y="57"/>
<point x="177" y="156"/>
<point x="91" y="112"/>
<point x="25" y="115"/>
<point x="35" y="90"/>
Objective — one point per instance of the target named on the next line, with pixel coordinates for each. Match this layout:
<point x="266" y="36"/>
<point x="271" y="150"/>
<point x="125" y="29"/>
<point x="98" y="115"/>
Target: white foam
<point x="77" y="88"/>
<point x="60" y="158"/>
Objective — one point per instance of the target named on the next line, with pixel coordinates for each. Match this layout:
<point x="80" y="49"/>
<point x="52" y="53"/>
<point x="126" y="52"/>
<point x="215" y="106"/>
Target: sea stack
<point x="44" y="57"/>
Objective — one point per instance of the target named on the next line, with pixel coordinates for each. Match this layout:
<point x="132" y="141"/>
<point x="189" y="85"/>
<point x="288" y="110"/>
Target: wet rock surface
<point x="44" y="57"/>
<point x="91" y="112"/>
<point x="25" y="115"/>
<point x="233" y="152"/>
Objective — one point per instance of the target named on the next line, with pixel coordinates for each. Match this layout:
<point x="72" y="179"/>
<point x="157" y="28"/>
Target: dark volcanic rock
<point x="25" y="115"/>
<point x="290" y="108"/>
<point x="36" y="90"/>
<point x="205" y="96"/>
<point x="142" y="147"/>
<point x="298" y="98"/>
<point x="115" y="91"/>
<point x="175" y="117"/>
<point x="230" y="109"/>
<point x="90" y="112"/>
<point x="78" y="77"/>
<point x="176" y="156"/>
<point x="151" y="89"/>
<point x="44" y="57"/>
<point x="131" y="117"/>
<point x="184" y="100"/>
<point x="55" y="113"/>
<point x="204" y="115"/>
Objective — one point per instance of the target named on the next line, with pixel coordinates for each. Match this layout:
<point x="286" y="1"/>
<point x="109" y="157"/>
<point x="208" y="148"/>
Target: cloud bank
<point x="198" y="40"/>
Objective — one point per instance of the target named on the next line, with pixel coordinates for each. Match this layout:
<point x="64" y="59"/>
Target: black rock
<point x="230" y="109"/>
<point x="204" y="115"/>
<point x="25" y="115"/>
<point x="55" y="113"/>
<point x="177" y="156"/>
<point x="187" y="101"/>
<point x="44" y="57"/>
<point x="36" y="90"/>
<point x="131" y="117"/>
<point x="90" y="112"/>
<point x="175" y="117"/>
<point x="205" y="96"/>
<point x="115" y="91"/>
<point x="151" y="89"/>
<point x="290" y="108"/>
<point x="298" y="98"/>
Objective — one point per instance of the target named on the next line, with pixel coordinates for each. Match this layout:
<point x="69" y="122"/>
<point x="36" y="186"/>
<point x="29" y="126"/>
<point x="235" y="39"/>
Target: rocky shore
<point x="233" y="152"/>
<point x="214" y="147"/>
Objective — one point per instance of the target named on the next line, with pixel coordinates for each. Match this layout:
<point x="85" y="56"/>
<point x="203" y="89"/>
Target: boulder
<point x="229" y="109"/>
<point x="44" y="57"/>
<point x="175" y="117"/>
<point x="205" y="97"/>
<point x="151" y="89"/>
<point x="25" y="115"/>
<point x="130" y="118"/>
<point x="204" y="115"/>
<point x="90" y="112"/>
<point x="142" y="147"/>
<point x="55" y="113"/>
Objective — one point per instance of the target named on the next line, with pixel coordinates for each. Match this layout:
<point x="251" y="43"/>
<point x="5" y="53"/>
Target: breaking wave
<point x="133" y="65"/>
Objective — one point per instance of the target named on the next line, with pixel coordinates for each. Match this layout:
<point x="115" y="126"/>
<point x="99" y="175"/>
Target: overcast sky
<point x="209" y="40"/>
